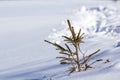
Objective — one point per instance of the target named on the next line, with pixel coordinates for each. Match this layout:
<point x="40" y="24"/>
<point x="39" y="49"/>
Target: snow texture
<point x="102" y="21"/>
<point x="25" y="24"/>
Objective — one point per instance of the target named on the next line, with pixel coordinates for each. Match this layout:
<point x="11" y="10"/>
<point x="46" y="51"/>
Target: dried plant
<point x="71" y="56"/>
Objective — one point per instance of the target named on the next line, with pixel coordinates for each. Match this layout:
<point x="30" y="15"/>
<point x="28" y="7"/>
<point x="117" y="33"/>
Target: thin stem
<point x="78" y="59"/>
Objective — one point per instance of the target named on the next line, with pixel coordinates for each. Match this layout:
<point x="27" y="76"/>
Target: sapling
<point x="71" y="51"/>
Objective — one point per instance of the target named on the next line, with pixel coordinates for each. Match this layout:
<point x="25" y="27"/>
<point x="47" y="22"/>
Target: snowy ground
<point x="25" y="24"/>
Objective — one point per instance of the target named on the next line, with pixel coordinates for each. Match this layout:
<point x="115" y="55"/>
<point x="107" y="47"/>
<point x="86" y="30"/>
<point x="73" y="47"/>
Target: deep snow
<point x="25" y="24"/>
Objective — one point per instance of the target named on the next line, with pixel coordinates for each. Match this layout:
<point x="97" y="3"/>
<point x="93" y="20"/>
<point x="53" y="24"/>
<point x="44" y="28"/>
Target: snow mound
<point x="98" y="19"/>
<point x="95" y="20"/>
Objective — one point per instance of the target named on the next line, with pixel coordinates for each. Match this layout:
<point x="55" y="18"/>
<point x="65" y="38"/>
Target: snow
<point x="94" y="21"/>
<point x="25" y="24"/>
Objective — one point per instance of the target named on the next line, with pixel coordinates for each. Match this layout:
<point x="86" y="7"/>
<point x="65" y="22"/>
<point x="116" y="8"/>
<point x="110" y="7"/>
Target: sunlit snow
<point x="25" y="24"/>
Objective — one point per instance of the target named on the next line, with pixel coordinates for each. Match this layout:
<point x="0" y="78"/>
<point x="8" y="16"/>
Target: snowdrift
<point x="101" y="21"/>
<point x="31" y="59"/>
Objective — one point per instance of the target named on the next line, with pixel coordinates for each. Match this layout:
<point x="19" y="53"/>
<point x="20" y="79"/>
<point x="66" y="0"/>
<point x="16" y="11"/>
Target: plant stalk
<point x="78" y="59"/>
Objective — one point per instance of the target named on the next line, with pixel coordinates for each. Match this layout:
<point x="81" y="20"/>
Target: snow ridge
<point x="94" y="21"/>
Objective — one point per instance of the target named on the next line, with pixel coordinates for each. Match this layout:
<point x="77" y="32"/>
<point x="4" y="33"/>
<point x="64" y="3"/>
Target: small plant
<point x="71" y="52"/>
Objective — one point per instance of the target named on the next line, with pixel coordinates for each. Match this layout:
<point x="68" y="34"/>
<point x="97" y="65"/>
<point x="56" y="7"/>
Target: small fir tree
<point x="72" y="56"/>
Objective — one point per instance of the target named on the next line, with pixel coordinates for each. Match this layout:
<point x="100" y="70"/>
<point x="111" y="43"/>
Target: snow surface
<point x="25" y="24"/>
